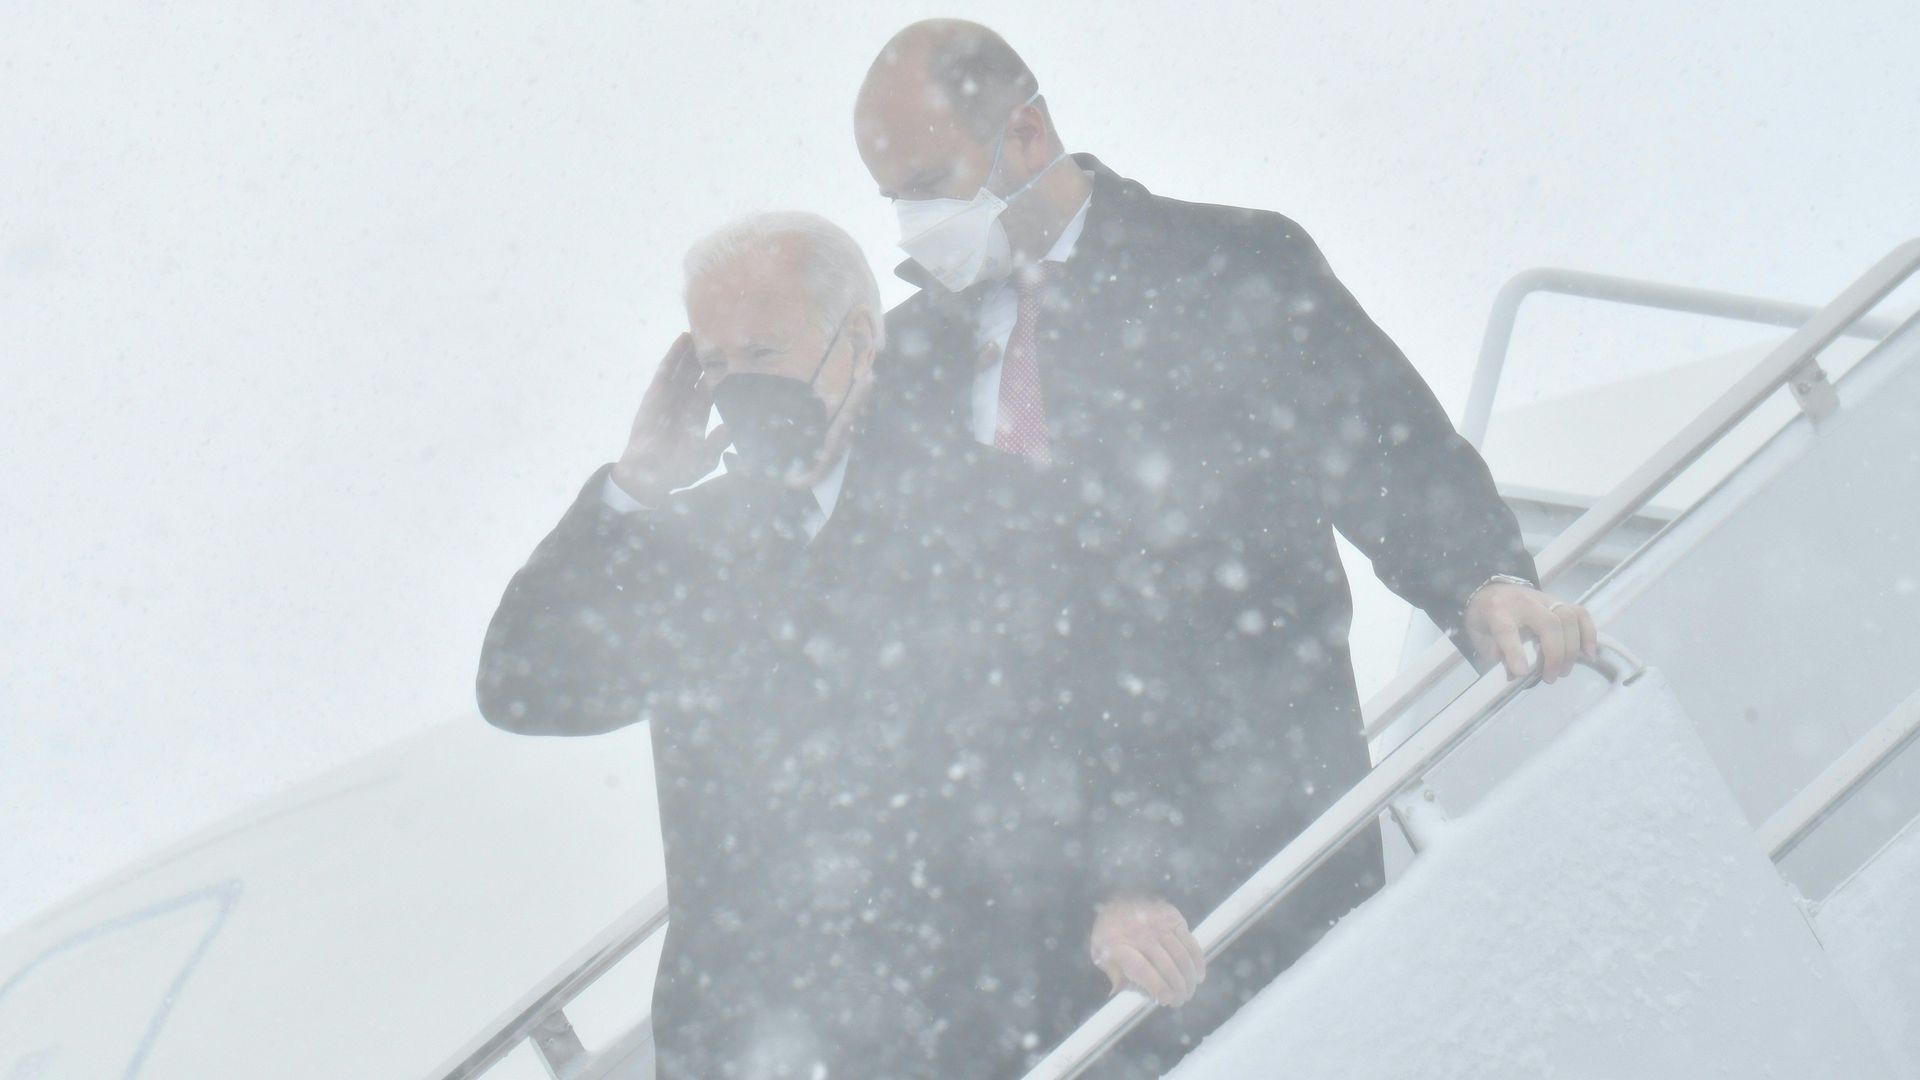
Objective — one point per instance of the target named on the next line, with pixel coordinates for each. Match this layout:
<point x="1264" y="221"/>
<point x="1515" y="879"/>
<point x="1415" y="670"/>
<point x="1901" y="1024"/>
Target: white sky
<point x="313" y="317"/>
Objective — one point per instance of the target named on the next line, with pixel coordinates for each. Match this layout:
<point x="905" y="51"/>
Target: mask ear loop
<point x="999" y="149"/>
<point x="821" y="366"/>
<point x="852" y="383"/>
<point x="831" y="342"/>
<point x="1000" y="146"/>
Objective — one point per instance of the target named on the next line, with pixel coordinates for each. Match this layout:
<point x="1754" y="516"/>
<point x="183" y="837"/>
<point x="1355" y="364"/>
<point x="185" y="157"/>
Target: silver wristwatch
<point x="1505" y="579"/>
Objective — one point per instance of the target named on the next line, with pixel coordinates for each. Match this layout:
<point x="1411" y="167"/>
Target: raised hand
<point x="669" y="446"/>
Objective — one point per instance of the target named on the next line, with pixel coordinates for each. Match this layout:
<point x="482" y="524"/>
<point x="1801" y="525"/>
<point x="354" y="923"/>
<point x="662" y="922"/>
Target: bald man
<point x="1218" y="405"/>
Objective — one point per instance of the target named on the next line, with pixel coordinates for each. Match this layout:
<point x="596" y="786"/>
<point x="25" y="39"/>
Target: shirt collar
<point x="1063" y="245"/>
<point x="827" y="491"/>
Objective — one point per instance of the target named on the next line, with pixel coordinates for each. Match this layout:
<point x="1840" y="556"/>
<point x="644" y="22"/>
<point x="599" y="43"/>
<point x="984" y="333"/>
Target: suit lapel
<point x="1092" y="333"/>
<point x="930" y="361"/>
<point x="837" y="559"/>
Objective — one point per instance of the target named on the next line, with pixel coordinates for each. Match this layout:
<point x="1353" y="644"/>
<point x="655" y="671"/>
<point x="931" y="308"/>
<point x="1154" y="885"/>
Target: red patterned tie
<point x="1021" y="426"/>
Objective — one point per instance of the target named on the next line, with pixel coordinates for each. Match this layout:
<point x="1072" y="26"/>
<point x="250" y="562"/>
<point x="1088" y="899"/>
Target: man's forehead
<point x="775" y="266"/>
<point x="755" y="294"/>
<point x="908" y="124"/>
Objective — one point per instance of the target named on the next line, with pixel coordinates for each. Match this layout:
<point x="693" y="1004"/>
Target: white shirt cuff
<point x="616" y="498"/>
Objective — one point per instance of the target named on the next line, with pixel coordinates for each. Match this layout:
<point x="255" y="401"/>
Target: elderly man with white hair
<point x="868" y="791"/>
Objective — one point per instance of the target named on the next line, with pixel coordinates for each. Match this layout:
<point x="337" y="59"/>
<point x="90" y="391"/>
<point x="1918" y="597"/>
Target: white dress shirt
<point x="826" y="495"/>
<point x="999" y="308"/>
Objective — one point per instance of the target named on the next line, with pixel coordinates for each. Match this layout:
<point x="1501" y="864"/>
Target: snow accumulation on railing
<point x="1603" y="912"/>
<point x="540" y="1017"/>
<point x="1402" y="773"/>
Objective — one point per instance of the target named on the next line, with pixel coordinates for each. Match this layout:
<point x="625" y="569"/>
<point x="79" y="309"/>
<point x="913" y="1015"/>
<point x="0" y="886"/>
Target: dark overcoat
<point x="1219" y="407"/>
<point x="871" y="801"/>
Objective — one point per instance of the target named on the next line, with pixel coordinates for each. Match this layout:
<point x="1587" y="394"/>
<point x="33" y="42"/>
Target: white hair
<point x="836" y="269"/>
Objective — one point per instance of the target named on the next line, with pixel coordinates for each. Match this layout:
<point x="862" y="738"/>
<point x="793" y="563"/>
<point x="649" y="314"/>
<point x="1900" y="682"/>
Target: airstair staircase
<point x="1705" y="861"/>
<point x="1698" y="857"/>
<point x="1707" y="867"/>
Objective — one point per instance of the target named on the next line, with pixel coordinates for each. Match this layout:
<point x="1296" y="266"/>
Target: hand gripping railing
<point x="1605" y="288"/>
<point x="1397" y="784"/>
<point x="539" y="1015"/>
<point x="1794" y="363"/>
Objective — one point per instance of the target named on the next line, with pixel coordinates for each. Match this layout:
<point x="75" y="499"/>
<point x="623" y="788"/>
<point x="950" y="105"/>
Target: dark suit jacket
<point x="1219" y="406"/>
<point x="869" y="793"/>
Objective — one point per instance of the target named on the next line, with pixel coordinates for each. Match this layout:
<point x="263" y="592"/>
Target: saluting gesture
<point x="669" y="446"/>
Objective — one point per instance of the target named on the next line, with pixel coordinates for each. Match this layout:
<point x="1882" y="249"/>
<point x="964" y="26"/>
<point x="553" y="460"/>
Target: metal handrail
<point x="1402" y="772"/>
<point x="1497" y="342"/>
<point x="1839" y="781"/>
<point x="1587" y="285"/>
<point x="545" y="1000"/>
<point x="1793" y="362"/>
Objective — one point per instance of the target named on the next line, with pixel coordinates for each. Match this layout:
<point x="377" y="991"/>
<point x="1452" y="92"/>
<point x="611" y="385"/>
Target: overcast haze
<point x="313" y="317"/>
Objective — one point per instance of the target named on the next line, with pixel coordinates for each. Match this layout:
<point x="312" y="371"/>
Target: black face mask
<point x="777" y="424"/>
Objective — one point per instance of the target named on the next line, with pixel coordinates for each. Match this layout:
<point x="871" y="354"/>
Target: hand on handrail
<point x="1502" y="615"/>
<point x="1144" y="942"/>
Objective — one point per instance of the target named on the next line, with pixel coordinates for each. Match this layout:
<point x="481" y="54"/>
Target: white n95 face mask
<point x="961" y="241"/>
<point x="958" y="241"/>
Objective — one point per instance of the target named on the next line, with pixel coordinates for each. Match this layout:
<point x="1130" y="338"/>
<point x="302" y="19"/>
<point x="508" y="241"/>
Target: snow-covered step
<point x="1606" y="912"/>
<point x="1867" y="927"/>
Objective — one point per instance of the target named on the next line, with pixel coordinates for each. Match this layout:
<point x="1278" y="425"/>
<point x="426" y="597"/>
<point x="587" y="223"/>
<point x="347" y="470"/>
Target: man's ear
<point x="1028" y="131"/>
